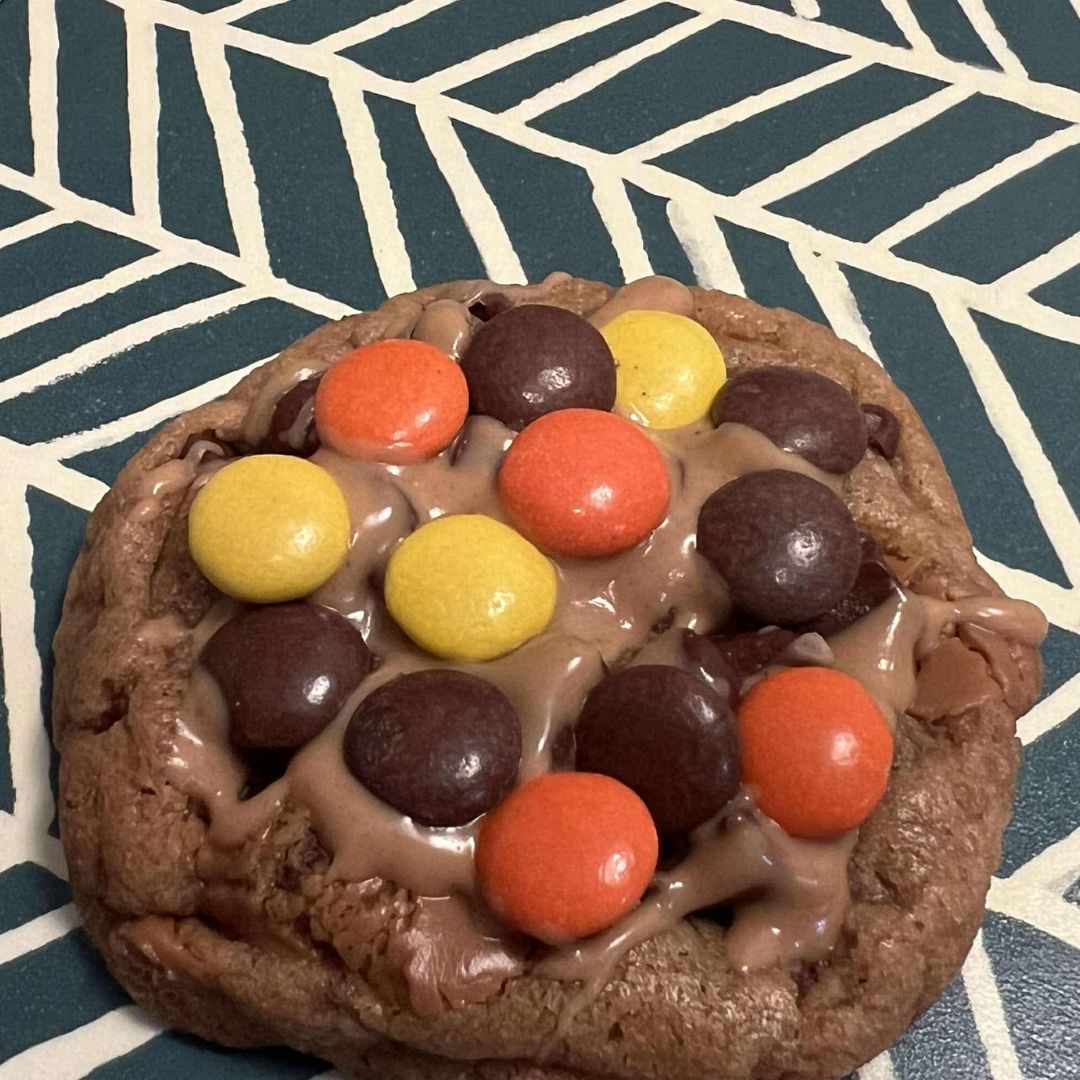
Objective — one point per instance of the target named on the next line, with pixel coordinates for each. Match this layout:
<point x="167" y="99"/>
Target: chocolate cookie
<point x="299" y="904"/>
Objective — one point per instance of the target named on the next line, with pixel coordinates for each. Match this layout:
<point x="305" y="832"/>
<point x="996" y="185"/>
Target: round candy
<point x="396" y="401"/>
<point x="816" y="750"/>
<point x="534" y="359"/>
<point x="268" y="528"/>
<point x="566" y="855"/>
<point x="292" y="423"/>
<point x="467" y="587"/>
<point x="584" y="483"/>
<point x="443" y="747"/>
<point x="785" y="544"/>
<point x="285" y="672"/>
<point x="669" y="367"/>
<point x="668" y="736"/>
<point x="800" y="411"/>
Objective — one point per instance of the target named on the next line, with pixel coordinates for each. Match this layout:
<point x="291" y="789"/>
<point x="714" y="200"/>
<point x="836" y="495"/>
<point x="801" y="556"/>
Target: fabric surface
<point x="186" y="187"/>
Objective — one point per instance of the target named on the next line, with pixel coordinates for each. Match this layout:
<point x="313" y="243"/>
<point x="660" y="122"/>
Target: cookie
<point x="421" y="830"/>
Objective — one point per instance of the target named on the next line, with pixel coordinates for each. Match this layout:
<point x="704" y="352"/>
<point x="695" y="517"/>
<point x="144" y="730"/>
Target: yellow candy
<point x="669" y="367"/>
<point x="268" y="528"/>
<point x="467" y="587"/>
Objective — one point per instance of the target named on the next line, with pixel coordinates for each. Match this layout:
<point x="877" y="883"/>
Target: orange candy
<point x="584" y="483"/>
<point x="566" y="855"/>
<point x="396" y="401"/>
<point x="816" y="749"/>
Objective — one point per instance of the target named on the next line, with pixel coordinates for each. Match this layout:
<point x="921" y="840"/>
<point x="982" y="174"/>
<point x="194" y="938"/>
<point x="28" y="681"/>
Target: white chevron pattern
<point x="695" y="214"/>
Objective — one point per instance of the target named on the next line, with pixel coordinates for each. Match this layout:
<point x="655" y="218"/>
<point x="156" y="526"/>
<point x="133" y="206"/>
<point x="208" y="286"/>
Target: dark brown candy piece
<point x="883" y="429"/>
<point x="285" y="672"/>
<point x="798" y="410"/>
<point x="442" y="747"/>
<point x="535" y="359"/>
<point x="785" y="545"/>
<point x="668" y="736"/>
<point x="486" y="306"/>
<point x="873" y="586"/>
<point x="292" y="423"/>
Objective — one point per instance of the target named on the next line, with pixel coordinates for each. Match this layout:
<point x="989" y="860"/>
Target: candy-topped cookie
<point x="525" y="682"/>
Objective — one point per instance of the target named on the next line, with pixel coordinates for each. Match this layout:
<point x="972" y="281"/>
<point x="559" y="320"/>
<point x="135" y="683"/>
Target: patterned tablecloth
<point x="185" y="187"/>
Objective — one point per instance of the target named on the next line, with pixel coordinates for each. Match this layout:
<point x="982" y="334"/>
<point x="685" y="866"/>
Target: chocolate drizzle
<point x="789" y="895"/>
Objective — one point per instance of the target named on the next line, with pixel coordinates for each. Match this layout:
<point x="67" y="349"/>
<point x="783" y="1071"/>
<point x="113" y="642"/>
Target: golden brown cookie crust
<point x="676" y="1010"/>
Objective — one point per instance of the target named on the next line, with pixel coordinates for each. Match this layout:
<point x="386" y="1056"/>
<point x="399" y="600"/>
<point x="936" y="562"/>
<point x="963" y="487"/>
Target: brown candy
<point x="535" y="359"/>
<point x="285" y="672"/>
<point x="442" y="747"/>
<point x="883" y="429"/>
<point x="798" y="410"/>
<point x="785" y="545"/>
<point x="292" y="423"/>
<point x="668" y="736"/>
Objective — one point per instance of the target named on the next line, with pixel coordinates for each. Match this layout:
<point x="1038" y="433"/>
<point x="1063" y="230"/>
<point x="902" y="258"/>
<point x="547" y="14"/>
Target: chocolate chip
<point x="285" y="672"/>
<point x="747" y="654"/>
<point x="535" y="359"/>
<point x="873" y="585"/>
<point x="442" y="747"/>
<point x="286" y="435"/>
<point x="705" y="660"/>
<point x="486" y="306"/>
<point x="668" y="736"/>
<point x="883" y="429"/>
<point x="785" y="545"/>
<point x="798" y="410"/>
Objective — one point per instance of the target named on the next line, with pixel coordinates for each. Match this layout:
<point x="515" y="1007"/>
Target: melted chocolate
<point x="789" y="895"/>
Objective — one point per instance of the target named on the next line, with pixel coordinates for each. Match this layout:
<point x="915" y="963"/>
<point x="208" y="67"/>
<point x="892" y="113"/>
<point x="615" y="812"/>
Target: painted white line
<point x="806" y="9"/>
<point x="1060" y="706"/>
<point x="478" y="209"/>
<point x="144" y="108"/>
<point x="44" y="46"/>
<point x="31" y="227"/>
<point x="617" y="214"/>
<point x="379" y="24"/>
<point x="834" y="296"/>
<point x="703" y="241"/>
<point x="495" y="59"/>
<point x="853" y="146"/>
<point x="28" y="741"/>
<point x="592" y="77"/>
<point x="72" y="1056"/>
<point x="1050" y="872"/>
<point x="38" y="932"/>
<point x="82" y="441"/>
<point x="881" y="1068"/>
<point x="43" y="471"/>
<point x="373" y="185"/>
<point x="1037" y="907"/>
<point x="239" y="10"/>
<point x="989" y="1014"/>
<point x="1013" y="426"/>
<point x="138" y="333"/>
<point x="747" y="107"/>
<point x="905" y="19"/>
<point x="1046" y="267"/>
<point x="237" y="173"/>
<point x="967" y="192"/>
<point x="78" y="295"/>
<point x="992" y="37"/>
